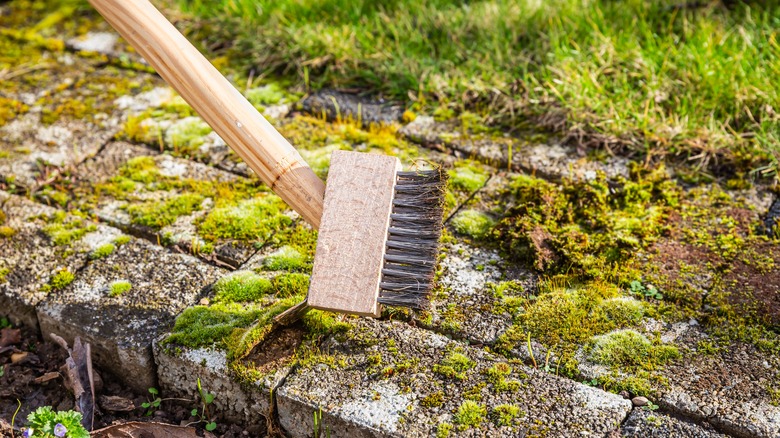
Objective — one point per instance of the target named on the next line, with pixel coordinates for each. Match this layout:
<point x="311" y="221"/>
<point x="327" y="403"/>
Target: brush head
<point x="413" y="239"/>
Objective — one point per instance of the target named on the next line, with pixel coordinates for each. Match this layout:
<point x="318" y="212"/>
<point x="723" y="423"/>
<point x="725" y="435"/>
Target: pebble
<point x="640" y="401"/>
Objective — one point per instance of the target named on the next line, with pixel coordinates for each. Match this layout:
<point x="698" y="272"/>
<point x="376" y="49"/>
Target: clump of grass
<point x="104" y="250"/>
<point x="676" y="80"/>
<point x="470" y="414"/>
<point x="473" y="223"/>
<point x="119" y="287"/>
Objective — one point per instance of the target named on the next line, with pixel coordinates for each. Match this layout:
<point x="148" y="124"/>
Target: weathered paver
<point x="248" y="404"/>
<point x="730" y="387"/>
<point x="642" y="423"/>
<point x="390" y="379"/>
<point x="549" y="159"/>
<point x="121" y="302"/>
<point x="37" y="244"/>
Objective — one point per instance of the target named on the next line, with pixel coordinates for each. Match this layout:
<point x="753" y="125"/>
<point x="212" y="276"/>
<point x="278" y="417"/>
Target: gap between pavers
<point x="122" y="326"/>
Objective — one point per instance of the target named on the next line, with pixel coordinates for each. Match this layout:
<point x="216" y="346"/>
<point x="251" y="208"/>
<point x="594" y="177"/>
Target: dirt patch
<point x="276" y="349"/>
<point x="25" y="382"/>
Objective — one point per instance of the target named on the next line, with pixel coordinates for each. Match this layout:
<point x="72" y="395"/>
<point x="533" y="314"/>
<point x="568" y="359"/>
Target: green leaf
<point x="194" y="412"/>
<point x="153" y="391"/>
<point x="208" y="398"/>
<point x="211" y="426"/>
<point x="145" y="405"/>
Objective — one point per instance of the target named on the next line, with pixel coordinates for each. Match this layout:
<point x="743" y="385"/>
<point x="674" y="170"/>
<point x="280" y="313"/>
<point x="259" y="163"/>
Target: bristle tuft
<point x="413" y="239"/>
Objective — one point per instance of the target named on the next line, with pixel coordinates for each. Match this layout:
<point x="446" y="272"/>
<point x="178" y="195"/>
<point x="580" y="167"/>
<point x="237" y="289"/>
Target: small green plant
<point x="318" y="425"/>
<point x="649" y="291"/>
<point x="59" y="281"/>
<point x="443" y="431"/>
<point x="504" y="415"/>
<point x="119" y="287"/>
<point x="4" y="322"/>
<point x="102" y="251"/>
<point x="470" y="414"/>
<point x="153" y="404"/>
<point x="46" y="423"/>
<point x="650" y="406"/>
<point x="203" y="415"/>
<point x="454" y="366"/>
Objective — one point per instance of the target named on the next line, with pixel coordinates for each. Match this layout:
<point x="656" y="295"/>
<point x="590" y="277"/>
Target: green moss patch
<point x="65" y="230"/>
<point x="104" y="250"/>
<point x="628" y="349"/>
<point x="60" y="280"/>
<point x="505" y="414"/>
<point x="287" y="258"/>
<point x="468" y="176"/>
<point x="241" y="286"/>
<point x="470" y="414"/>
<point x="472" y="223"/>
<point x="454" y="366"/>
<point x="251" y="219"/>
<point x="119" y="287"/>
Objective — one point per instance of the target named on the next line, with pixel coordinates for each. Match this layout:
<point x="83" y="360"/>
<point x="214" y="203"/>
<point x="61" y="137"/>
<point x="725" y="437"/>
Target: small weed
<point x="649" y="291"/>
<point x="203" y="415"/>
<point x="318" y="425"/>
<point x="154" y="404"/>
<point x="650" y="406"/>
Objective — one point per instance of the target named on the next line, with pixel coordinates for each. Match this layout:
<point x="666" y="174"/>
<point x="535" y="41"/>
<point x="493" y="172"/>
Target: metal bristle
<point x="413" y="239"/>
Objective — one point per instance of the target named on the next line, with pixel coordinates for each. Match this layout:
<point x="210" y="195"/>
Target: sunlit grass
<point x="655" y="77"/>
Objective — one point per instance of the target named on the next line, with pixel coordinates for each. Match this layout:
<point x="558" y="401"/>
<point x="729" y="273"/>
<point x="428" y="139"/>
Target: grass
<point x="658" y="78"/>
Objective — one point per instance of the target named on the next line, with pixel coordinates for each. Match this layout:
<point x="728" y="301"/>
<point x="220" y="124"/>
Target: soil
<point x="33" y="359"/>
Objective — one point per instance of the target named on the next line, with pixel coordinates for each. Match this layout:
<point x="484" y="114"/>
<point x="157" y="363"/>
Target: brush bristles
<point x="413" y="239"/>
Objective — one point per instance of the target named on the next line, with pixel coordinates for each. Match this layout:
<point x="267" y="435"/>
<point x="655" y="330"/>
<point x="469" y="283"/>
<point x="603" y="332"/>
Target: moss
<point x="433" y="400"/>
<point x="64" y="229"/>
<point x="270" y="94"/>
<point x="119" y="287"/>
<point x="454" y="366"/>
<point x="287" y="258"/>
<point x="509" y="294"/>
<point x="6" y="231"/>
<point x="622" y="311"/>
<point x="319" y="159"/>
<point x="287" y="285"/>
<point x="187" y="134"/>
<point x="627" y="348"/>
<point x="252" y="219"/>
<point x="497" y="374"/>
<point x="505" y="414"/>
<point x="4" y="273"/>
<point x="10" y="109"/>
<point x="408" y="116"/>
<point x="60" y="280"/>
<point x="102" y="251"/>
<point x="470" y="414"/>
<point x="241" y="286"/>
<point x="468" y="176"/>
<point x="121" y="240"/>
<point x="443" y="430"/>
<point x="156" y="214"/>
<point x="475" y="392"/>
<point x="472" y="223"/>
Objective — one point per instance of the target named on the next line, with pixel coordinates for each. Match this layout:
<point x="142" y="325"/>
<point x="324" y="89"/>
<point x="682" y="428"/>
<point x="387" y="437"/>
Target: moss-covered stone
<point x="627" y="349"/>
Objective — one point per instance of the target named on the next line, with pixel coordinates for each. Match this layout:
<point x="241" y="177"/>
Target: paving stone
<point x="121" y="328"/>
<point x="31" y="257"/>
<point x="549" y="160"/>
<point x="728" y="388"/>
<point x="336" y="105"/>
<point x="642" y="423"/>
<point x="381" y="379"/>
<point x="182" y="234"/>
<point x="244" y="403"/>
<point x="70" y="123"/>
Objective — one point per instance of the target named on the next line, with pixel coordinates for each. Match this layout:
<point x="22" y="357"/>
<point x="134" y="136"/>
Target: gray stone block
<point x="121" y="326"/>
<point x="642" y="423"/>
<point x="386" y="379"/>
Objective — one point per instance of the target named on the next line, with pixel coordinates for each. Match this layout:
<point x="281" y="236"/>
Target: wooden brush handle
<point x="272" y="157"/>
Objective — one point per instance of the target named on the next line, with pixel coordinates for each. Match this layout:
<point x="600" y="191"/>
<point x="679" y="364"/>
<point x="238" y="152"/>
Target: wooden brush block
<point x="353" y="233"/>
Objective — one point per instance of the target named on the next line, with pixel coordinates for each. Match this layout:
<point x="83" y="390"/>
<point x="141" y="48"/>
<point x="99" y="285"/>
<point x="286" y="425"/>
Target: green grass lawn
<point x="696" y="82"/>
